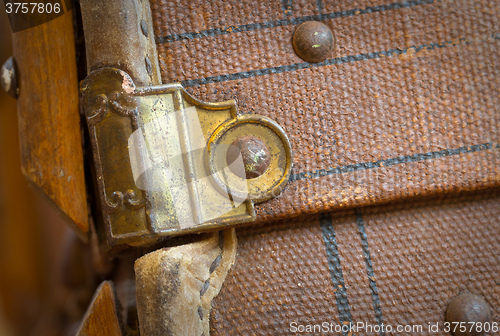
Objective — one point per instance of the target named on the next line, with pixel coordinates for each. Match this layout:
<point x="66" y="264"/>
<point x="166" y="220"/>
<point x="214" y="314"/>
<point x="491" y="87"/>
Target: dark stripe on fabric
<point x="332" y="61"/>
<point x="337" y="277"/>
<point x="287" y="7"/>
<point x="319" y="6"/>
<point x="290" y="21"/>
<point x="369" y="270"/>
<point x="391" y="162"/>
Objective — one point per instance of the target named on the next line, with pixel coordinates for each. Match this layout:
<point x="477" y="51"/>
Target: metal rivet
<point x="144" y="28"/>
<point x="254" y="152"/>
<point x="467" y="308"/>
<point x="149" y="67"/>
<point x="313" y="41"/>
<point x="8" y="78"/>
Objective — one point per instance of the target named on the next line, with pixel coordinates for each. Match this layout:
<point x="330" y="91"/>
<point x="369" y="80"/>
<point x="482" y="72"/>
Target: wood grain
<point x="102" y="318"/>
<point x="20" y="250"/>
<point x="49" y="120"/>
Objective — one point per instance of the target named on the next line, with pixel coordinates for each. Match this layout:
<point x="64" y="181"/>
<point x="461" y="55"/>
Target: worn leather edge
<point x="175" y="286"/>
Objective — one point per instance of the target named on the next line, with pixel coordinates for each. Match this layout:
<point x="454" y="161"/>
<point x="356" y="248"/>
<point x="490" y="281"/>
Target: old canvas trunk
<point x="367" y="133"/>
<point x="404" y="111"/>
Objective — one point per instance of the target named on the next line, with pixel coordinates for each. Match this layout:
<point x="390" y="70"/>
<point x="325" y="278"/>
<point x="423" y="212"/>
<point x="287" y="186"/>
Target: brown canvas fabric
<point x="397" y="264"/>
<point x="393" y="137"/>
<point x="407" y="105"/>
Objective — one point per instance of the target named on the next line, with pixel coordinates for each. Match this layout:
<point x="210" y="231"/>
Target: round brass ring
<point x="266" y="186"/>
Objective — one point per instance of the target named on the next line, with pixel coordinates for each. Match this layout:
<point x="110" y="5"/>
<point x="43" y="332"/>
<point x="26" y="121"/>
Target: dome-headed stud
<point x="471" y="310"/>
<point x="253" y="151"/>
<point x="313" y="41"/>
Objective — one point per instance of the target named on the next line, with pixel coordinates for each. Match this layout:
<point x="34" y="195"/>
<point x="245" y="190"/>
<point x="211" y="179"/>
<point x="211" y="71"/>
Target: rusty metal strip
<point x="120" y="34"/>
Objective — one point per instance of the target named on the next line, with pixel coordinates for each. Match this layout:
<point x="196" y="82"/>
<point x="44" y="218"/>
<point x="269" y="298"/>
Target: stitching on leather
<point x="213" y="266"/>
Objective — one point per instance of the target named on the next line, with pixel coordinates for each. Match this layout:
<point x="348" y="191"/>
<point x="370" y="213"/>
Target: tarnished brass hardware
<point x="272" y="180"/>
<point x="143" y="198"/>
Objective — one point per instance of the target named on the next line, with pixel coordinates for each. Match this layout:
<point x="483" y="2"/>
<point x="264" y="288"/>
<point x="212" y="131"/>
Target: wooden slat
<point x="20" y="248"/>
<point x="102" y="317"/>
<point x="49" y="121"/>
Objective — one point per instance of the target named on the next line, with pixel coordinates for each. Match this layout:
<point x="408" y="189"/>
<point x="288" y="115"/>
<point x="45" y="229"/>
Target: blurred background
<point x="33" y="239"/>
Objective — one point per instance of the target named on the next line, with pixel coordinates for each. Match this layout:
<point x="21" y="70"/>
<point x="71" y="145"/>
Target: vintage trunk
<point x="370" y="201"/>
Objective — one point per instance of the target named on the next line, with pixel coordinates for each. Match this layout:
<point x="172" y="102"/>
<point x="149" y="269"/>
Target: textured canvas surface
<point x="395" y="264"/>
<point x="394" y="137"/>
<point x="407" y="105"/>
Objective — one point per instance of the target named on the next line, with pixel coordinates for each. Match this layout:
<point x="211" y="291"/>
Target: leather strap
<point x="175" y="286"/>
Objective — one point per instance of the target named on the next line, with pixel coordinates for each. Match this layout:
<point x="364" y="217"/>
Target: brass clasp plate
<point x="168" y="164"/>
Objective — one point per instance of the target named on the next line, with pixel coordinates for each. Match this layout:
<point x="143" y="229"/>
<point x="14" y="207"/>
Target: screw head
<point x="255" y="155"/>
<point x="8" y="78"/>
<point x="468" y="307"/>
<point x="313" y="41"/>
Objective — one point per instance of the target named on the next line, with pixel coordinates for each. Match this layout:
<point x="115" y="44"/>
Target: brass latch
<point x="168" y="164"/>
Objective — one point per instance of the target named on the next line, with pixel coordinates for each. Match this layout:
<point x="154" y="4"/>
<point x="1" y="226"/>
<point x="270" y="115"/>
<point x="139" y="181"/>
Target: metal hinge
<point x="168" y="164"/>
